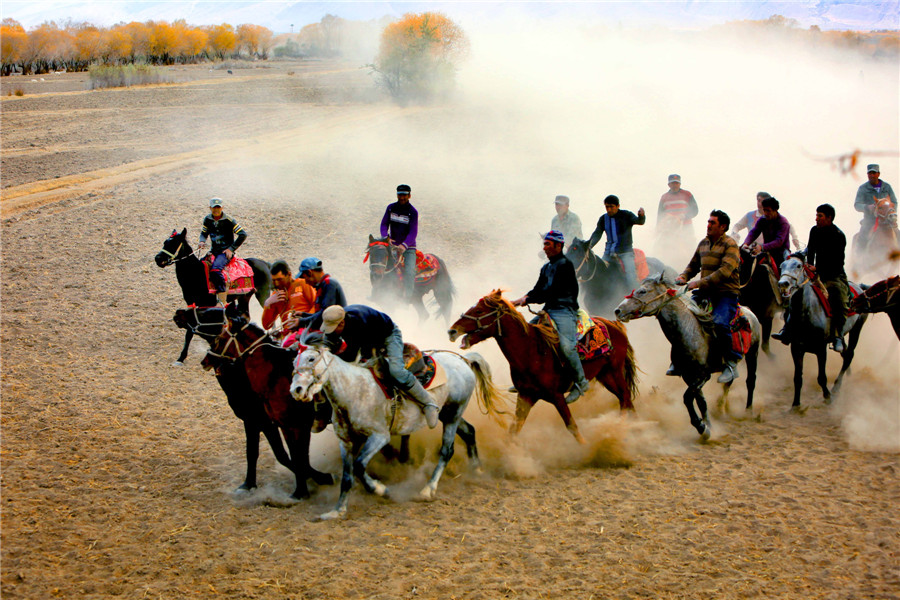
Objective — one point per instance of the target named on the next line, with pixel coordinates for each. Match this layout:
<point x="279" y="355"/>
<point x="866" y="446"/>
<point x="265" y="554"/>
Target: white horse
<point x="365" y="419"/>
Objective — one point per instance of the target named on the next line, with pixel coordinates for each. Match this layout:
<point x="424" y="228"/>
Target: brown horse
<point x="883" y="296"/>
<point x="536" y="366"/>
<point x="269" y="367"/>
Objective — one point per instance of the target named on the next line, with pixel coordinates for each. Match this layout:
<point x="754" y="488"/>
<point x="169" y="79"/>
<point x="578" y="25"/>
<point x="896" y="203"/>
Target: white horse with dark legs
<point x="365" y="419"/>
<point x="692" y="341"/>
<point x="811" y="327"/>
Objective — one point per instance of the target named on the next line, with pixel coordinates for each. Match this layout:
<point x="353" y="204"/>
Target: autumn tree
<point x="222" y="41"/>
<point x="418" y="56"/>
<point x="13" y="40"/>
<point x="256" y="40"/>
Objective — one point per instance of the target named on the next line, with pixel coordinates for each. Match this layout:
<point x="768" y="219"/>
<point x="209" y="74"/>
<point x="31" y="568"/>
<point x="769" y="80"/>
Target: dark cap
<point x="403" y="189"/>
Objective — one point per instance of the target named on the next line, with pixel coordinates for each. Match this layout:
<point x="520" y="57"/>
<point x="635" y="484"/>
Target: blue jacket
<point x="365" y="331"/>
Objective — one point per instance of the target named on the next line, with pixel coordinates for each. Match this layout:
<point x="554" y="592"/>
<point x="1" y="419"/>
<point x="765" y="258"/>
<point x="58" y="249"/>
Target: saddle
<point x="427" y="266"/>
<point x="238" y="275"/>
<point x="423" y="366"/>
<point x="822" y="293"/>
<point x="741" y="333"/>
<point x="591" y="338"/>
<point x="641" y="268"/>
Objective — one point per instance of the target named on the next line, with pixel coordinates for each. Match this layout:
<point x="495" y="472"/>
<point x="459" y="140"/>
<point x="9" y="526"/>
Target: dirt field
<point x="119" y="470"/>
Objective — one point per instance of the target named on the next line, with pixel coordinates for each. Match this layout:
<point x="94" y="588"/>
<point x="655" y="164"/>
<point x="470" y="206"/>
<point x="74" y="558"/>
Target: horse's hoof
<point x="379" y="489"/>
<point x="829" y="400"/>
<point x="299" y="496"/>
<point x="797" y="409"/>
<point x="331" y="515"/>
<point x="707" y="431"/>
<point x="427" y="494"/>
<point x="244" y="489"/>
<point x="322" y="478"/>
<point x="177" y="363"/>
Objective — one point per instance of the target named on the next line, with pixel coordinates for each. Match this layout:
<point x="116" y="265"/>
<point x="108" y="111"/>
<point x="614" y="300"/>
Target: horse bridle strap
<point x="384" y="264"/>
<point x="587" y="255"/>
<point x="479" y="327"/>
<point x="644" y="303"/>
<point x="250" y="349"/>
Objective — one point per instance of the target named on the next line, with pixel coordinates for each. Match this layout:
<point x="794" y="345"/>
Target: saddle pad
<point x="822" y="295"/>
<point x="640" y="265"/>
<point x="438" y="375"/>
<point x="238" y="275"/>
<point x="741" y="334"/>
<point x="427" y="267"/>
<point x="595" y="342"/>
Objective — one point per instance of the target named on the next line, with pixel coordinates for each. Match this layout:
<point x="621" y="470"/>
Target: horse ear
<point x="184" y="232"/>
<point x="371" y="238"/>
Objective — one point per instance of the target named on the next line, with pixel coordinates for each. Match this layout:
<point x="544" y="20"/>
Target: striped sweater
<point x="718" y="264"/>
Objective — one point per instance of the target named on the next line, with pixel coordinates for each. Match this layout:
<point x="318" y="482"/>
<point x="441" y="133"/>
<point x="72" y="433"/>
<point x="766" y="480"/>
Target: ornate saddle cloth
<point x="741" y="334"/>
<point x="238" y="275"/>
<point x="422" y="365"/>
<point x="427" y="266"/>
<point x="822" y="294"/>
<point x="593" y="337"/>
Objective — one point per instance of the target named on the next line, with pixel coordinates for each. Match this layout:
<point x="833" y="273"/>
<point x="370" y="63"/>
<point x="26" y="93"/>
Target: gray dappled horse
<point x="811" y="326"/>
<point x="692" y="341"/>
<point x="365" y="419"/>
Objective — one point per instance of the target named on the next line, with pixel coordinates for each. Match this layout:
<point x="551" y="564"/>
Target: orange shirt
<point x="301" y="297"/>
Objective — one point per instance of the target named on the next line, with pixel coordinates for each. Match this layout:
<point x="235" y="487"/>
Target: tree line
<point x="76" y="46"/>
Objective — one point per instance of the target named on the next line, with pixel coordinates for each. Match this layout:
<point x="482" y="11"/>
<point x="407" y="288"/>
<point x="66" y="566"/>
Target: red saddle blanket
<point x="421" y="365"/>
<point x="822" y="294"/>
<point x="640" y="265"/>
<point x="741" y="334"/>
<point x="238" y="275"/>
<point x="427" y="267"/>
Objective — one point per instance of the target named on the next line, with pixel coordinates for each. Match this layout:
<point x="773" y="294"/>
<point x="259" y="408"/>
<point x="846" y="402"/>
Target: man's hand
<point x="520" y="301"/>
<point x="694" y="284"/>
<point x="276" y="296"/>
<point x="641" y="212"/>
<point x="201" y="246"/>
<point x="228" y="253"/>
<point x="680" y="280"/>
<point x="292" y="323"/>
<point x="755" y="249"/>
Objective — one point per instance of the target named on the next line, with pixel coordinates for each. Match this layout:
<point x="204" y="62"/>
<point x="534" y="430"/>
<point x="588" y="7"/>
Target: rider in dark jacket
<point x="226" y="236"/>
<point x="328" y="291"/>
<point x="367" y="331"/>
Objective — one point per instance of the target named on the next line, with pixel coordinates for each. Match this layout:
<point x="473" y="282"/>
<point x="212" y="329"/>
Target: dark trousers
<point x="838" y="291"/>
<point x="215" y="272"/>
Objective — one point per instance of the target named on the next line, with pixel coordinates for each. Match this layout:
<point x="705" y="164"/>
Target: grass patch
<point x="18" y="92"/>
<point x="110" y="76"/>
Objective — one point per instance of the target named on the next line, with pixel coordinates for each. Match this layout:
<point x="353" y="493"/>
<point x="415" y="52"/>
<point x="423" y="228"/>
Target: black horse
<point x="603" y="284"/>
<point x="760" y="292"/>
<point x="387" y="284"/>
<point x="192" y="278"/>
<point x="208" y="323"/>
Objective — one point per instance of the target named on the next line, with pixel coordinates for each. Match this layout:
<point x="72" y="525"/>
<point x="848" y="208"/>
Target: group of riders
<point x="314" y="300"/>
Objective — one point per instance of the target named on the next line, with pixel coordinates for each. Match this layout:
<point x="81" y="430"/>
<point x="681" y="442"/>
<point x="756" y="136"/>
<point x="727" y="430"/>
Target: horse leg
<point x="300" y="463"/>
<point x="752" y="361"/>
<point x="523" y="407"/>
<point x="270" y="430"/>
<point x="705" y="427"/>
<point x="563" y="409"/>
<point x="417" y="303"/>
<point x="466" y="432"/>
<point x="446" y="453"/>
<point x="797" y="354"/>
<point x="370" y="448"/>
<point x="616" y="386"/>
<point x="251" y="433"/>
<point x="188" y="336"/>
<point x="346" y="483"/>
<point x="766" y="323"/>
<point x="852" y="341"/>
<point x="688" y="398"/>
<point x="822" y="378"/>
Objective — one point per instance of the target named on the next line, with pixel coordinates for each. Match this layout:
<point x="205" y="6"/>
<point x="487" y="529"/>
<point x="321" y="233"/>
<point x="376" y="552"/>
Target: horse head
<point x="877" y="297"/>
<point x="651" y="295"/>
<point x="174" y="248"/>
<point x="234" y="341"/>
<point x="482" y="321"/>
<point x="207" y="322"/>
<point x="381" y="257"/>
<point x="585" y="261"/>
<point x="310" y="372"/>
<point x="793" y="274"/>
<point x="885" y="212"/>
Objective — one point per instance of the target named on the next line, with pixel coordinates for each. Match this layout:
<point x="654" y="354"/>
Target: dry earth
<point x="119" y="469"/>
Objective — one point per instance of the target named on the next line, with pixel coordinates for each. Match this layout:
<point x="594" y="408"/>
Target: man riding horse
<point x="775" y="231"/>
<point x="401" y="224"/>
<point x="367" y="331"/>
<point x="866" y="198"/>
<point x="226" y="236"/>
<point x="557" y="289"/>
<point x="328" y="291"/>
<point x="717" y="259"/>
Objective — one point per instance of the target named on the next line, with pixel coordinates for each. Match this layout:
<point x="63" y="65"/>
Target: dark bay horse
<point x="247" y="406"/>
<point x="269" y="369"/>
<point x="602" y="284"/>
<point x="883" y="296"/>
<point x="692" y="342"/>
<point x="811" y="326"/>
<point x="191" y="277"/>
<point x="387" y="284"/>
<point x="760" y="292"/>
<point x="537" y="369"/>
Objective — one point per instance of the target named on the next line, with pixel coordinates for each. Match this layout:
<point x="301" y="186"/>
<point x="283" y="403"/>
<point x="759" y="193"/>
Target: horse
<point x="760" y="292"/>
<point x="878" y="255"/>
<point x="192" y="278"/>
<point x="602" y="283"/>
<point x="683" y="324"/>
<point x="365" y="418"/>
<point x="883" y="296"/>
<point x="385" y="275"/>
<point x="537" y="369"/>
<point x="247" y="406"/>
<point x="269" y="368"/>
<point x="811" y="326"/>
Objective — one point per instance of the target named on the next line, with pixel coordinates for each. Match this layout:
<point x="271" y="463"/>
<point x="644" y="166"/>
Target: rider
<point x="328" y="291"/>
<point x="617" y="224"/>
<point x="825" y="252"/>
<point x="557" y="289"/>
<point x="401" y="223"/>
<point x="775" y="232"/>
<point x="367" y="331"/>
<point x="226" y="236"/>
<point x="290" y="298"/>
<point x="718" y="260"/>
<point x="865" y="201"/>
<point x="566" y="221"/>
<point x="677" y="206"/>
<point x="749" y="220"/>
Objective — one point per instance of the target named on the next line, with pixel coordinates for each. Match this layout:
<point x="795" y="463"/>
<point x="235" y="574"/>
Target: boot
<point x="577" y="391"/>
<point x="729" y="372"/>
<point x="426" y="402"/>
<point x="729" y="367"/>
<point x="784" y="336"/>
<point x="838" y="345"/>
<point x="222" y="297"/>
<point x="672" y="371"/>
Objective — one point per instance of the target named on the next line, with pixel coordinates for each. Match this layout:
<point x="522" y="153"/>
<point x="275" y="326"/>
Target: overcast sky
<point x="281" y="16"/>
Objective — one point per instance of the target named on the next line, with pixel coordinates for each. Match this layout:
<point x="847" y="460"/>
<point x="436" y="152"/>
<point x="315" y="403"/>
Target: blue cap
<point x="555" y="236"/>
<point x="308" y="264"/>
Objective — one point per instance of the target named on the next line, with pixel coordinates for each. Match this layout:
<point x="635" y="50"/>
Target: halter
<point x="233" y="339"/>
<point x="387" y="260"/>
<point x="797" y="283"/>
<point x="890" y="291"/>
<point x="479" y="327"/>
<point x="200" y="323"/>
<point x="670" y="292"/>
<point x="587" y="254"/>
<point x="173" y="256"/>
<point x="317" y="379"/>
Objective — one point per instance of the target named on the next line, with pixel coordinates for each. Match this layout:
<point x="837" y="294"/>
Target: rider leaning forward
<point x="367" y="331"/>
<point x="291" y="297"/>
<point x="775" y="231"/>
<point x="226" y="236"/>
<point x="328" y="291"/>
<point x="401" y="224"/>
<point x="717" y="259"/>
<point x="557" y="289"/>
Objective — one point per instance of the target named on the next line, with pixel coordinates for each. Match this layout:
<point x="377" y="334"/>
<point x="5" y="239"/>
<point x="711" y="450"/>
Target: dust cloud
<point x="545" y="109"/>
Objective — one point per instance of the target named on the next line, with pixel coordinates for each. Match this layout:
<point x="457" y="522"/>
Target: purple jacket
<point x="776" y="236"/>
<point x="401" y="222"/>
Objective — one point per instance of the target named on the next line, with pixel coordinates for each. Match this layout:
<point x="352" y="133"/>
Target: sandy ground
<point x="118" y="470"/>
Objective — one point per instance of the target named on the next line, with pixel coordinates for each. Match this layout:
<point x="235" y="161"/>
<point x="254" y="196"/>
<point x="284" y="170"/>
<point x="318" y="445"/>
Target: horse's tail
<point x="485" y="391"/>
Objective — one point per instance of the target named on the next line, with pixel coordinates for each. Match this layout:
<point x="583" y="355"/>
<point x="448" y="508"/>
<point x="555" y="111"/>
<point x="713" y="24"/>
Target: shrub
<point x="108" y="76"/>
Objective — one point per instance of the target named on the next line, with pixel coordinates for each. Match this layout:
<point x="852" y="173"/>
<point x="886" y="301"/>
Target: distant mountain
<point x="282" y="17"/>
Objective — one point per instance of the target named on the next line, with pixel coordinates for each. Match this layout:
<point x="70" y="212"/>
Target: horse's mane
<point x="546" y="330"/>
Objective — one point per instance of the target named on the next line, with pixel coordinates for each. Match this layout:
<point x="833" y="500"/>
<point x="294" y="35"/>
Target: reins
<point x="173" y="256"/>
<point x="588" y="254"/>
<point x="671" y="296"/>
<point x="250" y="349"/>
<point x="387" y="259"/>
<point x="479" y="327"/>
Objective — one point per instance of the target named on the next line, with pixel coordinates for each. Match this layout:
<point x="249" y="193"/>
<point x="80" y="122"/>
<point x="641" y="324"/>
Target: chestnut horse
<point x="535" y="364"/>
<point x="883" y="296"/>
<point x="269" y="367"/>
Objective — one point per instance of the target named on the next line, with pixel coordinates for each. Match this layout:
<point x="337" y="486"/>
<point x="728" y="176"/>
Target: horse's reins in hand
<point x="674" y="295"/>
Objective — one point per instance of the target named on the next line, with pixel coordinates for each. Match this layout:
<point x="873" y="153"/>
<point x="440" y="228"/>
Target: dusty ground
<point x="118" y="469"/>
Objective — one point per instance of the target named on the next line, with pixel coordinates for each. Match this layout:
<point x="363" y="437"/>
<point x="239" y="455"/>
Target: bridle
<point x="173" y="256"/>
<point x="200" y="324"/>
<point x="890" y="291"/>
<point x="320" y="377"/>
<point x="497" y="313"/>
<point x="587" y="255"/>
<point x="241" y="352"/>
<point x="386" y="260"/>
<point x="796" y="282"/>
<point x="670" y="292"/>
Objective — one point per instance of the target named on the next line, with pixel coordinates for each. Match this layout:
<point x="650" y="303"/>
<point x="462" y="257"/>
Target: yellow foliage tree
<point x="254" y="39"/>
<point x="13" y="40"/>
<point x="222" y="40"/>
